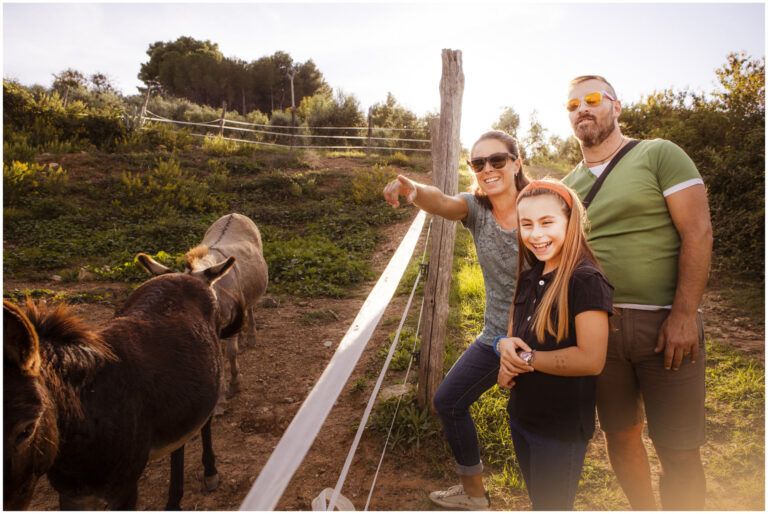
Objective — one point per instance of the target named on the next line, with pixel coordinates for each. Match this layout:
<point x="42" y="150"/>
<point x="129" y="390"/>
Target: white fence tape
<point x="301" y="433"/>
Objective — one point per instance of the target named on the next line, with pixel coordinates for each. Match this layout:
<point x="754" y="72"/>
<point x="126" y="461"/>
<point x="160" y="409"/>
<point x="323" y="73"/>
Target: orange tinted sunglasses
<point x="592" y="99"/>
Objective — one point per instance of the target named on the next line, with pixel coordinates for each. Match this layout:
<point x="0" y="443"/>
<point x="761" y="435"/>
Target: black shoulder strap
<point x="599" y="182"/>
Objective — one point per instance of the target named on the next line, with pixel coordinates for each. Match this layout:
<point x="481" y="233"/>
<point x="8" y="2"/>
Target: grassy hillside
<point x="320" y="215"/>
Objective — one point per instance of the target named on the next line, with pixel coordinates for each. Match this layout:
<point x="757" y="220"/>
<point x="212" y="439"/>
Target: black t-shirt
<point x="551" y="405"/>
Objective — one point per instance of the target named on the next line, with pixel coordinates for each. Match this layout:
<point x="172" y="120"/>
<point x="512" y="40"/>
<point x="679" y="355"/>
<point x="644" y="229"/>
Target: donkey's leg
<point x="176" y="489"/>
<point x="250" y="327"/>
<point x="127" y="499"/>
<point x="234" y="367"/>
<point x="210" y="473"/>
<point x="67" y="502"/>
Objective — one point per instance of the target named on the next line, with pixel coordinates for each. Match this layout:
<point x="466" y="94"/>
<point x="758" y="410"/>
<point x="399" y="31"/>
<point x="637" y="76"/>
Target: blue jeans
<point x="551" y="468"/>
<point x="473" y="374"/>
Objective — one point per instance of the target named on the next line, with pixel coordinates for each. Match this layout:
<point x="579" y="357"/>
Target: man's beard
<point x="594" y="134"/>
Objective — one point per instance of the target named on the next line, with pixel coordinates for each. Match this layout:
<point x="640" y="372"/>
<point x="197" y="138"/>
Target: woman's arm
<point x="426" y="198"/>
<point x="586" y="358"/>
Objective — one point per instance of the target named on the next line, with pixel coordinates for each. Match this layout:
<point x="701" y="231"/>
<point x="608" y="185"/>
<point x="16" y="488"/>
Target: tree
<point x="724" y="134"/>
<point x="536" y="147"/>
<point x="509" y="121"/>
<point x="67" y="81"/>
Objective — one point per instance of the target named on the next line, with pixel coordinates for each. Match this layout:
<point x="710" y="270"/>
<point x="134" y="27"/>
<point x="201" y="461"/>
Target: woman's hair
<point x="521" y="180"/>
<point x="573" y="251"/>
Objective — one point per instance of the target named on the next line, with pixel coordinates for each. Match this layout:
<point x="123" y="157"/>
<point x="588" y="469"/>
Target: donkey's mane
<point x="195" y="254"/>
<point x="59" y="328"/>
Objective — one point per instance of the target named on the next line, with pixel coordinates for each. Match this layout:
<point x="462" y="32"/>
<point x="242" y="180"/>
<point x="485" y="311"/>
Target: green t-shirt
<point x="631" y="231"/>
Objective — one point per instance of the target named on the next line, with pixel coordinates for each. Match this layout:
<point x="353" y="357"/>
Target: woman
<point x="560" y="328"/>
<point x="490" y="214"/>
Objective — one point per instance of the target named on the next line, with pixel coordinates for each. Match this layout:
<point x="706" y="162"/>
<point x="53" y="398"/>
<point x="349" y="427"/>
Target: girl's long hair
<point x="574" y="250"/>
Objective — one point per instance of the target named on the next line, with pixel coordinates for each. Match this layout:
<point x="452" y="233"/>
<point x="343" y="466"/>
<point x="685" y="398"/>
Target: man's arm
<point x="678" y="336"/>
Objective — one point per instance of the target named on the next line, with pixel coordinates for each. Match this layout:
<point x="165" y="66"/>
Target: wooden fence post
<point x="445" y="160"/>
<point x="223" y="115"/>
<point x="144" y="107"/>
<point x="370" y="130"/>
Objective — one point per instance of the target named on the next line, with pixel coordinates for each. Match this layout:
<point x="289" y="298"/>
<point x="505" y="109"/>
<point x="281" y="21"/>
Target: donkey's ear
<point x="151" y="265"/>
<point x="20" y="344"/>
<point x="215" y="272"/>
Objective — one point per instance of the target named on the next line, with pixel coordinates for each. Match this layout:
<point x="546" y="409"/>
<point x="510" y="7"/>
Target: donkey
<point x="232" y="235"/>
<point x="91" y="408"/>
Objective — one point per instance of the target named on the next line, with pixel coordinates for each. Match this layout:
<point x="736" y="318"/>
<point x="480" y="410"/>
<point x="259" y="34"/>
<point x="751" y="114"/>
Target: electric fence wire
<point x="407" y="371"/>
<point x="375" y="392"/>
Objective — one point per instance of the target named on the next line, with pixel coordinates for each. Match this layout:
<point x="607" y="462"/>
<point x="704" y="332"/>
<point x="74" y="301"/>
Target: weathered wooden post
<point x="291" y="75"/>
<point x="144" y="107"/>
<point x="445" y="160"/>
<point x="370" y="130"/>
<point x="223" y="115"/>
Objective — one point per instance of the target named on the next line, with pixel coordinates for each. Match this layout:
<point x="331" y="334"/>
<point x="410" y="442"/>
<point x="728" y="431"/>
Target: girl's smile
<point x="542" y="228"/>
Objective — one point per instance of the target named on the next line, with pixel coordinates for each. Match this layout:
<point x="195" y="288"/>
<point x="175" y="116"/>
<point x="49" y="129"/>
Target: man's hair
<point x="584" y="78"/>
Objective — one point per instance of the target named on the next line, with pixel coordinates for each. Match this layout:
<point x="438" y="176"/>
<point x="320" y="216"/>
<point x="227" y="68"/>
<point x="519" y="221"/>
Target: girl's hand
<point x="508" y="348"/>
<point x="401" y="186"/>
<point x="505" y="379"/>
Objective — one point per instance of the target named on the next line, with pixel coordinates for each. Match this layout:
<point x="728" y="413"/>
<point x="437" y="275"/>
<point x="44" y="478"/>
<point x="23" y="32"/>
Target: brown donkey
<point x="91" y="408"/>
<point x="233" y="235"/>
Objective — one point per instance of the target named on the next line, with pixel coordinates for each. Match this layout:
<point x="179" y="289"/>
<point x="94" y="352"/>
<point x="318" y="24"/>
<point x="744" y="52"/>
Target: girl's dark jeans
<point x="551" y="468"/>
<point x="473" y="374"/>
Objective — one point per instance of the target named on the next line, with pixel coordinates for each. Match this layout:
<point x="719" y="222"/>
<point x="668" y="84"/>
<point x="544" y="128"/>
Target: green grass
<point x="319" y="228"/>
<point x="733" y="456"/>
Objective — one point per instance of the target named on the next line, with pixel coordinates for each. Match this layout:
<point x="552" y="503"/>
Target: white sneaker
<point x="455" y="498"/>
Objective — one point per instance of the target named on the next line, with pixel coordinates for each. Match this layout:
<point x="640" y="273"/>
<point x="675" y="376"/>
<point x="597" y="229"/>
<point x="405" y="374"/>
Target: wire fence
<point x="303" y="137"/>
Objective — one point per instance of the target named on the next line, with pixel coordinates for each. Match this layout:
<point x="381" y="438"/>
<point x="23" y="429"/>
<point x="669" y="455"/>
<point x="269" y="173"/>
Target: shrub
<point x="132" y="271"/>
<point x="218" y="146"/>
<point x="312" y="266"/>
<point x="21" y="180"/>
<point x="412" y="426"/>
<point x="367" y="187"/>
<point x="159" y="136"/>
<point x="168" y="187"/>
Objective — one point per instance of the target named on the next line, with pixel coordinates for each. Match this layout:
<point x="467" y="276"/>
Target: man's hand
<point x="678" y="338"/>
<point x="401" y="186"/>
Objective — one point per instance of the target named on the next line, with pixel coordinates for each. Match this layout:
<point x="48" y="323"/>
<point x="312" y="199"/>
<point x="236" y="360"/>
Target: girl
<point x="490" y="213"/>
<point x="560" y="329"/>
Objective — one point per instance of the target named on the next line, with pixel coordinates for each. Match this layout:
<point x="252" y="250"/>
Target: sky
<point x="513" y="54"/>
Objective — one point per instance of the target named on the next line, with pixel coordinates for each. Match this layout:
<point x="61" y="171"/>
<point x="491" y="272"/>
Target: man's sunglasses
<point x="592" y="99"/>
<point x="497" y="161"/>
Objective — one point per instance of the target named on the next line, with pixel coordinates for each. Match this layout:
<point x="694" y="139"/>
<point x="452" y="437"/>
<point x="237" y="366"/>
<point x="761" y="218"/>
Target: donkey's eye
<point x="26" y="432"/>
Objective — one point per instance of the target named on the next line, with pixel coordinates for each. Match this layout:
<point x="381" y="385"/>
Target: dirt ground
<point x="278" y="373"/>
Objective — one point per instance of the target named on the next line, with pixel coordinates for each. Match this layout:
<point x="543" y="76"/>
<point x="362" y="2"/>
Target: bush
<point x="134" y="272"/>
<point x="158" y="136"/>
<point x="367" y="187"/>
<point x="725" y="137"/>
<point x="45" y="119"/>
<point x="167" y="188"/>
<point x="21" y="180"/>
<point x="218" y="146"/>
<point x="312" y="266"/>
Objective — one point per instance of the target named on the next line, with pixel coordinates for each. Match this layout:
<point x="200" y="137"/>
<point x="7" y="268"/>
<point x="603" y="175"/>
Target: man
<point x="651" y="232"/>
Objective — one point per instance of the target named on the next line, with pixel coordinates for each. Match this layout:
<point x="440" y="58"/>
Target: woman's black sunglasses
<point x="497" y="161"/>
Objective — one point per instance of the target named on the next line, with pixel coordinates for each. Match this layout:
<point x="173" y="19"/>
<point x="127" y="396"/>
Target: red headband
<point x="555" y="187"/>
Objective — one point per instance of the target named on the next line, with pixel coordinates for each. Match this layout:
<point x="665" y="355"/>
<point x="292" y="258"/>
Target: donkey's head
<point x="228" y="325"/>
<point x="30" y="433"/>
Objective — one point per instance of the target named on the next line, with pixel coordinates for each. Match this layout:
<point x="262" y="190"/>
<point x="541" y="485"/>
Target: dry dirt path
<point x="278" y="372"/>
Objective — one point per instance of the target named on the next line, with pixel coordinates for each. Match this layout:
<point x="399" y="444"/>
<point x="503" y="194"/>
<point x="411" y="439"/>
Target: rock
<point x="394" y="391"/>
<point x="327" y="344"/>
<point x="56" y="278"/>
<point x="84" y="275"/>
<point x="269" y="302"/>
